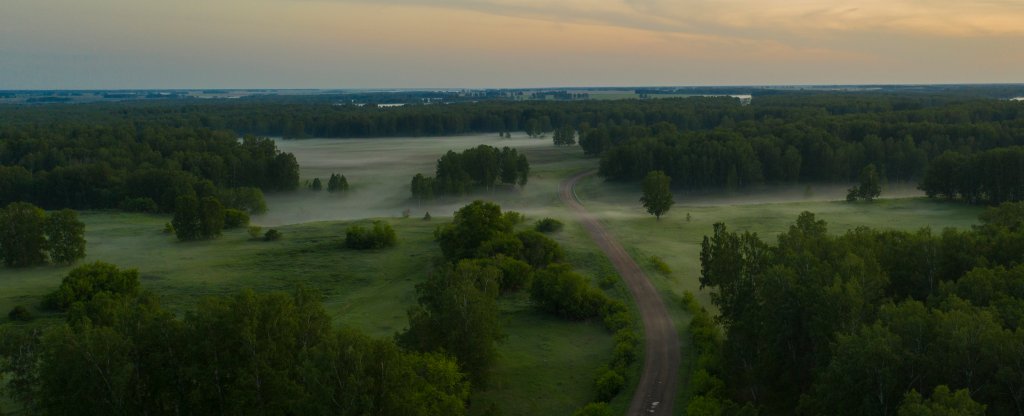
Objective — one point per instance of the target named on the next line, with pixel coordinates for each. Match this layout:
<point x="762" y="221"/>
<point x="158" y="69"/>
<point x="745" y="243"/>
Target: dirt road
<point x="656" y="392"/>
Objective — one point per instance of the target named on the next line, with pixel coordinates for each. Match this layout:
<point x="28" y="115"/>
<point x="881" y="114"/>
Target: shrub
<point x="380" y="236"/>
<point x="168" y="228"/>
<point x="245" y="198"/>
<point x="513" y="217"/>
<point x="539" y="250"/>
<point x="20" y="313"/>
<point x="609" y="281"/>
<point x="147" y="205"/>
<point x="426" y="217"/>
<point x="255" y="231"/>
<point x="617" y="321"/>
<point x="559" y="290"/>
<point x="624" y="353"/>
<point x="272" y="235"/>
<point x="660" y="266"/>
<point x="234" y="218"/>
<point x="515" y="274"/>
<point x="608" y="384"/>
<point x="85" y="282"/>
<point x="548" y="225"/>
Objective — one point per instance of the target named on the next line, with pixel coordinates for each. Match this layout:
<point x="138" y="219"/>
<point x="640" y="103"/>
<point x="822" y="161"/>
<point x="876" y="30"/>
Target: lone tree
<point x="66" y="236"/>
<point x="869" y="186"/>
<point x="657" y="195"/>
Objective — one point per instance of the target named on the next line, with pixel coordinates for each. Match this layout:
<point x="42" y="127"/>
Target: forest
<point x="118" y="351"/>
<point x="701" y="142"/>
<point x="139" y="167"/>
<point x="937" y="313"/>
<point x="870" y="322"/>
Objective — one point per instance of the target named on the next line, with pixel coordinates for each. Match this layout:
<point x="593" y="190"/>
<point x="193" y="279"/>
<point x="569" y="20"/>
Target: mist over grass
<point x="380" y="170"/>
<point x="547" y="365"/>
<point x="768" y="211"/>
<point x="627" y="193"/>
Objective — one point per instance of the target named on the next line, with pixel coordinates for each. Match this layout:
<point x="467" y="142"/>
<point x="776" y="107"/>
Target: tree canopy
<point x="482" y="166"/>
<point x="859" y="323"/>
<point x="29" y="236"/>
<point x="120" y="352"/>
<point x="657" y="196"/>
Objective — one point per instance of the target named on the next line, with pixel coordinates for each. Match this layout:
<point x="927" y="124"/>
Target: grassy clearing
<point x="676" y="240"/>
<point x="368" y="290"/>
<point x="546" y="365"/>
<point x="380" y="171"/>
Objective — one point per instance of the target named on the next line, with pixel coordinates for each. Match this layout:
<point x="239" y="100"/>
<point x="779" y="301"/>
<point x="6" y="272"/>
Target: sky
<point x="113" y="44"/>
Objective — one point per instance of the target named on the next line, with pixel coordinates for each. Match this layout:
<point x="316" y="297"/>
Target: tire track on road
<point x="656" y="391"/>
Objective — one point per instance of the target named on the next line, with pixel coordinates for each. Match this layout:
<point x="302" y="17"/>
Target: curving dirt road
<point x="656" y="392"/>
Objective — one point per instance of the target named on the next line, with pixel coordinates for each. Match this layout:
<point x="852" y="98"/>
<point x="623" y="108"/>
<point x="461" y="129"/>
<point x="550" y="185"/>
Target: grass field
<point x="676" y="240"/>
<point x="380" y="171"/>
<point x="309" y="254"/>
<point x="546" y="365"/>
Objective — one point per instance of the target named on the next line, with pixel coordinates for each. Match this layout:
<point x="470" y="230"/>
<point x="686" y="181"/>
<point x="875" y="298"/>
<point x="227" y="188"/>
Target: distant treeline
<point x="871" y="322"/>
<point x="989" y="177"/>
<point x="297" y="119"/>
<point x="142" y="167"/>
<point x="701" y="142"/>
<point x="827" y="139"/>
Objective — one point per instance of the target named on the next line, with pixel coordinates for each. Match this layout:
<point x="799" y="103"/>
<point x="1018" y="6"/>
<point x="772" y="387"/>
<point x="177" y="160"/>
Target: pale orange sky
<point x="505" y="43"/>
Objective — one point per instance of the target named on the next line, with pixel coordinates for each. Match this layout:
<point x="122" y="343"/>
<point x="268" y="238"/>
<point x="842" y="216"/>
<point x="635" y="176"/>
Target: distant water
<point x="1017" y="99"/>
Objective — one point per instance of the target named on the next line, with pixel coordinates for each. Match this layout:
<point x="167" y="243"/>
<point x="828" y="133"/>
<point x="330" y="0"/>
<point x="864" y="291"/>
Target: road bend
<point x="656" y="392"/>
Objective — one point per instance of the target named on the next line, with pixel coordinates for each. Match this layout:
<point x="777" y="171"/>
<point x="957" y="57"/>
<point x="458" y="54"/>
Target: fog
<point x="379" y="172"/>
<point x="629" y="193"/>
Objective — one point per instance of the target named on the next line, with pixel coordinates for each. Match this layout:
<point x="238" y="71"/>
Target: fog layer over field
<point x="380" y="170"/>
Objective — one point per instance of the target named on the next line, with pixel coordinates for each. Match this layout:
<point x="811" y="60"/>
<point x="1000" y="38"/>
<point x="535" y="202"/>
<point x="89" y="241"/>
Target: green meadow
<point x="546" y="364"/>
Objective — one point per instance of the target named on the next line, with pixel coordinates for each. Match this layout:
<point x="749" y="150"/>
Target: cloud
<point x="756" y="18"/>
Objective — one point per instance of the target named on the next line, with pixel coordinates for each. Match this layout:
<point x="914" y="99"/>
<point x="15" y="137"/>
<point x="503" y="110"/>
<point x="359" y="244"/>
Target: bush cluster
<point x="380" y="236"/>
<point x="548" y="225"/>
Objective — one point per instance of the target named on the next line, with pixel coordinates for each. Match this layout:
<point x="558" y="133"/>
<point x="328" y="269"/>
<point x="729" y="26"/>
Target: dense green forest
<point x="763" y="143"/>
<point x="991" y="177"/>
<point x="120" y="353"/>
<point x="701" y="142"/>
<point x="862" y="323"/>
<point x="144" y="167"/>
